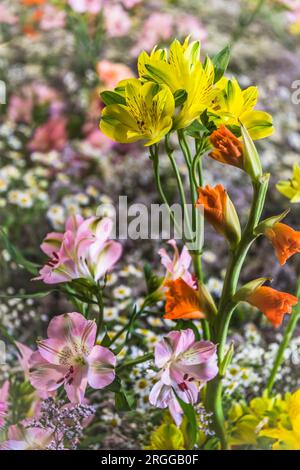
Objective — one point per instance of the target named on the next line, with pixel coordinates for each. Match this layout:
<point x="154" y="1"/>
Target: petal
<point x="190" y="395"/>
<point x="45" y="376"/>
<point x="73" y="325"/>
<point x="176" y="411"/>
<point x="73" y="222"/>
<point x="53" y="350"/>
<point x="107" y="258"/>
<point x="184" y="341"/>
<point x="160" y="395"/>
<point x="101" y="367"/>
<point x="4" y="391"/>
<point x="24" y="356"/>
<point x="75" y="388"/>
<point x="52" y="243"/>
<point x="163" y="351"/>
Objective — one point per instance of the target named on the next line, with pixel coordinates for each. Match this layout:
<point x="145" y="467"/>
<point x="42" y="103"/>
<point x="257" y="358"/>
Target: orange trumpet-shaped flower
<point x="285" y="240"/>
<point x="220" y="212"/>
<point x="183" y="302"/>
<point x="272" y="303"/>
<point x="227" y="147"/>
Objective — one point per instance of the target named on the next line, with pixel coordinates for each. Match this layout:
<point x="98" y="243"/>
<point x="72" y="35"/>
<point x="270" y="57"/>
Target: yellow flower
<point x="234" y="106"/>
<point x="291" y="188"/>
<point x="287" y="434"/>
<point x="245" y="422"/>
<point x="181" y="70"/>
<point x="144" y="111"/>
<point x="295" y="28"/>
<point x="166" y="437"/>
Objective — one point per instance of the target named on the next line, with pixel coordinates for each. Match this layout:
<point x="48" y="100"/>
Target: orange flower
<point x="285" y="240"/>
<point x="183" y="301"/>
<point x="272" y="303"/>
<point x="220" y="212"/>
<point x="227" y="147"/>
<point x="30" y="3"/>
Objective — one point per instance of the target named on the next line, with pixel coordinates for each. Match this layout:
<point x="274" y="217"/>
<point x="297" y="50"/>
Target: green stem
<point x="191" y="165"/>
<point x="99" y="297"/>
<point x="187" y="222"/>
<point x="155" y="160"/>
<point x="133" y="362"/>
<point x="244" y="25"/>
<point x="288" y="334"/>
<point x="227" y="307"/>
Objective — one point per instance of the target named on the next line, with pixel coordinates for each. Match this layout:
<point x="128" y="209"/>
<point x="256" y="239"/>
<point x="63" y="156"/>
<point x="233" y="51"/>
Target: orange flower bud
<point x="220" y="212"/>
<point x="227" y="147"/>
<point x="286" y="241"/>
<point x="272" y="303"/>
<point x="183" y="302"/>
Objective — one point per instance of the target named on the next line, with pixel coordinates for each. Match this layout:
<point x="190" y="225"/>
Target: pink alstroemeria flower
<point x="84" y="250"/>
<point x="186" y="365"/>
<point x="22" y="438"/>
<point x="178" y="267"/>
<point x="70" y="357"/>
<point x="3" y="402"/>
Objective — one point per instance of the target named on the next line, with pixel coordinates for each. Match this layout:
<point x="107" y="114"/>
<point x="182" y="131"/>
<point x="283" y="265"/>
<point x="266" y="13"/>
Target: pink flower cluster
<point x="160" y="26"/>
<point x="84" y="250"/>
<point x="185" y="366"/>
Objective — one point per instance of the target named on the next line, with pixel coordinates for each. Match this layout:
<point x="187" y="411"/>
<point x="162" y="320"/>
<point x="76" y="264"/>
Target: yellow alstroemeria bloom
<point x="287" y="435"/>
<point x="147" y="113"/>
<point x="181" y="69"/>
<point x="291" y="188"/>
<point x="234" y="106"/>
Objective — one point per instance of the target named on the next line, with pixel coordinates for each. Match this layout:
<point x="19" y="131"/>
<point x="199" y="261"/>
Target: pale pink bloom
<point x="130" y="3"/>
<point x="178" y="267"/>
<point x="158" y="27"/>
<point x="86" y="6"/>
<point x="98" y="140"/>
<point x="50" y="136"/>
<point x="6" y="15"/>
<point x="117" y="21"/>
<point x="52" y="18"/>
<point x="43" y="94"/>
<point x="20" y="109"/>
<point x="191" y="24"/>
<point x="21" y="105"/>
<point x="22" y="438"/>
<point x="111" y="73"/>
<point x="84" y="250"/>
<point x="185" y="366"/>
<point x="3" y="402"/>
<point x="69" y="357"/>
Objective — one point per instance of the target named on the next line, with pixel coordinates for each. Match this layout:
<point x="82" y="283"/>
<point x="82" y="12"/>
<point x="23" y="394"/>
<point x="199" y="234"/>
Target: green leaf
<point x="124" y="401"/>
<point x="180" y="96"/>
<point x="221" y="61"/>
<point x="34" y="295"/>
<point x="192" y="427"/>
<point x="153" y="281"/>
<point x="115" y="386"/>
<point x="105" y="342"/>
<point x="16" y="254"/>
<point x="111" y="97"/>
